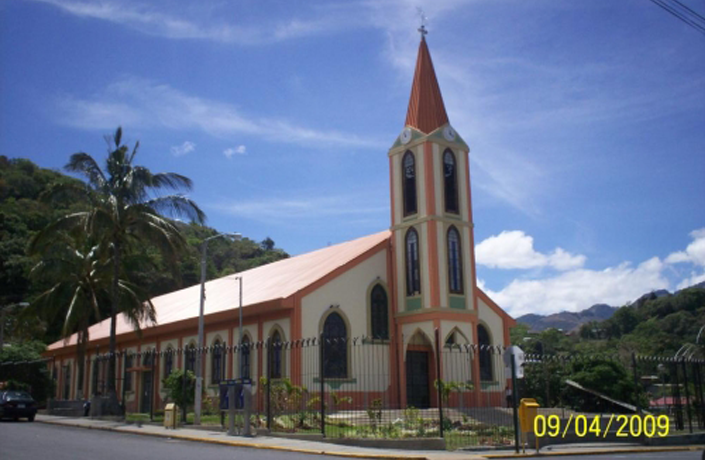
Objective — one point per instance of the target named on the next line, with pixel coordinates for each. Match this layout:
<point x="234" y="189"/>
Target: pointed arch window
<point x="413" y="274"/>
<point x="277" y="345"/>
<point x="450" y="181"/>
<point x="168" y="362"/>
<point x="217" y="363"/>
<point x="127" y="375"/>
<point x="455" y="261"/>
<point x="335" y="341"/>
<point x="379" y="313"/>
<point x="409" y="183"/>
<point x="191" y="358"/>
<point x="483" y="340"/>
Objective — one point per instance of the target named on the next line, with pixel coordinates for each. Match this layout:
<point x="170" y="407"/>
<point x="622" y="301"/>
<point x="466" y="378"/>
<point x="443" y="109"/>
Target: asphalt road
<point x="637" y="456"/>
<point x="23" y="440"/>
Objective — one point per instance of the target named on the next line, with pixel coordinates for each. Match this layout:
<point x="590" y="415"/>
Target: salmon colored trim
<point x="495" y="308"/>
<point x="435" y="314"/>
<point x="471" y="249"/>
<point x="391" y="286"/>
<point x="295" y="322"/>
<point x="343" y="268"/>
<point x="507" y="321"/>
<point x="391" y="190"/>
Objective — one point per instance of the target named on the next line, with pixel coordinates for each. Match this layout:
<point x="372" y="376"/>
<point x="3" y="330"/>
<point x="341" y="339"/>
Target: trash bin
<point x="171" y="416"/>
<point x="528" y="408"/>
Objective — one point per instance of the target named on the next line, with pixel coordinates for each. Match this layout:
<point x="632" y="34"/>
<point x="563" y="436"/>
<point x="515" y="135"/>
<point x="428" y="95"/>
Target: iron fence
<point x="388" y="389"/>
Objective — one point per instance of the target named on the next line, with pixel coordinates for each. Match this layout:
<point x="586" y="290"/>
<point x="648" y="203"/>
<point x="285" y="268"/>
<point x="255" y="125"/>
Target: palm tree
<point x="81" y="276"/>
<point x="124" y="211"/>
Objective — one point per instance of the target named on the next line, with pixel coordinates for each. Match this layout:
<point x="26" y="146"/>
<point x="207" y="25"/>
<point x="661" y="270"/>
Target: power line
<point x="685" y="14"/>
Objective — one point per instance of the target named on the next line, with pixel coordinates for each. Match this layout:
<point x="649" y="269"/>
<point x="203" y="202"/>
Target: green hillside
<point x="23" y="214"/>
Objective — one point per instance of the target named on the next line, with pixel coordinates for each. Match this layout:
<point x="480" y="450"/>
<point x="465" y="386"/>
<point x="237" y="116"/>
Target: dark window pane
<point x="217" y="363"/>
<point x="483" y="339"/>
<point x="335" y="362"/>
<point x="191" y="358"/>
<point x="413" y="275"/>
<point x="168" y="362"/>
<point x="409" y="183"/>
<point x="276" y="355"/>
<point x="379" y="313"/>
<point x="450" y="181"/>
<point x="455" y="262"/>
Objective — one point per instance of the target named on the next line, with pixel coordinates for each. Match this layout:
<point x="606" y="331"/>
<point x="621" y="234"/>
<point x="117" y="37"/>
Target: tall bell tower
<point x="431" y="221"/>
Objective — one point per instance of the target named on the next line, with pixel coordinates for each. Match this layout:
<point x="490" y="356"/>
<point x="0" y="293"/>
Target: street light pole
<point x="199" y="354"/>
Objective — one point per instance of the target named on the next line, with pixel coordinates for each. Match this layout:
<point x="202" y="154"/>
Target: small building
<point x="407" y="288"/>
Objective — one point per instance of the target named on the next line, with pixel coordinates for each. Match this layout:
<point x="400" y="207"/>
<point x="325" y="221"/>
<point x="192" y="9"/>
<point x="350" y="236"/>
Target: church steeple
<point x="426" y="110"/>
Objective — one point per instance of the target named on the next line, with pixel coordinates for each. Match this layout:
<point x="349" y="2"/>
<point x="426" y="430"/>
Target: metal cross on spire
<point x="422" y="30"/>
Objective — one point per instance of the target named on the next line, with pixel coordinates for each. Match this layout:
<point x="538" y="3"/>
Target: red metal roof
<point x="426" y="109"/>
<point x="272" y="282"/>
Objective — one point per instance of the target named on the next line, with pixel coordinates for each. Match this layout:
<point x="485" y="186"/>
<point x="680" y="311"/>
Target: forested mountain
<point x="655" y="324"/>
<point x="23" y="214"/>
<point x="567" y="320"/>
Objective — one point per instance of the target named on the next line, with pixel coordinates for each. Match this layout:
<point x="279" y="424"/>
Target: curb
<point x="252" y="445"/>
<point x="601" y="452"/>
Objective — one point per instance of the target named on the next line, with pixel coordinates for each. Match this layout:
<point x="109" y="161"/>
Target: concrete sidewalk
<point x="323" y="448"/>
<point x="259" y="442"/>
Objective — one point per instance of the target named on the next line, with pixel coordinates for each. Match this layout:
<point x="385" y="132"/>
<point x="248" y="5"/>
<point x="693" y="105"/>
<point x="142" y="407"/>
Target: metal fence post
<point x="687" y="397"/>
<point x="514" y="402"/>
<point x="636" y="381"/>
<point x="439" y="382"/>
<point x="676" y="393"/>
<point x="151" y="389"/>
<point x="269" y="384"/>
<point x="322" y="378"/>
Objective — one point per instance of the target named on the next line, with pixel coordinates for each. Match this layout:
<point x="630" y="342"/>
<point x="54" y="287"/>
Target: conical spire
<point x="426" y="110"/>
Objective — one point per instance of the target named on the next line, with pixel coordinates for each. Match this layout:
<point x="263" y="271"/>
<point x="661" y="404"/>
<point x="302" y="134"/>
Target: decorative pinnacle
<point x="422" y="30"/>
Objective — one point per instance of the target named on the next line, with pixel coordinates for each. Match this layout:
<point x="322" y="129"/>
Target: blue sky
<point x="586" y="122"/>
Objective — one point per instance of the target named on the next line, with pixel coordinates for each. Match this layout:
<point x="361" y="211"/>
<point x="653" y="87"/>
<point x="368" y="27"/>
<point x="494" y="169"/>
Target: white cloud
<point x="695" y="278"/>
<point x="183" y="149"/>
<point x="578" y="289"/>
<point x="136" y="101"/>
<point x="515" y="250"/>
<point x="287" y="210"/>
<point x="239" y="150"/>
<point x="200" y="24"/>
<point x="694" y="253"/>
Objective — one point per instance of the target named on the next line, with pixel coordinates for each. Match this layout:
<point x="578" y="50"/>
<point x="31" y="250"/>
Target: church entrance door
<point x="418" y="389"/>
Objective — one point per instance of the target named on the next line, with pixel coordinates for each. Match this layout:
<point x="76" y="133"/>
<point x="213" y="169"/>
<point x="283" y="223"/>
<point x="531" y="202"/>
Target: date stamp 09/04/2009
<point x="599" y="426"/>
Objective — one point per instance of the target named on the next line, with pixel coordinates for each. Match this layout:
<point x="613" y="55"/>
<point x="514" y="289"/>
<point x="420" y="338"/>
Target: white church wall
<point x="347" y="294"/>
<point x="493" y="322"/>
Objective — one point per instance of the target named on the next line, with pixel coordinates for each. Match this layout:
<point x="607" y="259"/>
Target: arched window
<point x="245" y="364"/>
<point x="217" y="363"/>
<point x="483" y="339"/>
<point x="413" y="275"/>
<point x="409" y="183"/>
<point x="450" y="181"/>
<point x="379" y="313"/>
<point x="335" y="341"/>
<point x="276" y="372"/>
<point x="190" y="356"/>
<point x="455" y="262"/>
<point x="168" y="362"/>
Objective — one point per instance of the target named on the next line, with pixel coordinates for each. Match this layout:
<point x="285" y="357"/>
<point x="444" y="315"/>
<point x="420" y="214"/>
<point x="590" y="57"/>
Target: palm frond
<point x="177" y="206"/>
<point x="171" y="181"/>
<point x="86" y="165"/>
<point x="47" y="236"/>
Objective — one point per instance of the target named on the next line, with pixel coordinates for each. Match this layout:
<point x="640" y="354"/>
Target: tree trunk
<point x="114" y="308"/>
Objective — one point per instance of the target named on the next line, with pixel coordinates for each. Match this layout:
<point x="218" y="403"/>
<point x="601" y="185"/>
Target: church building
<point x="407" y="289"/>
